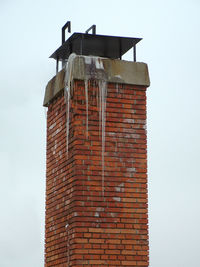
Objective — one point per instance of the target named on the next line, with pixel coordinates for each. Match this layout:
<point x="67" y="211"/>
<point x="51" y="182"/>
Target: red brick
<point x="103" y="230"/>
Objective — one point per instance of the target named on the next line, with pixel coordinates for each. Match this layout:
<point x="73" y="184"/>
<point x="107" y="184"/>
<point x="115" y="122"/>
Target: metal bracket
<point x="93" y="28"/>
<point x="66" y="26"/>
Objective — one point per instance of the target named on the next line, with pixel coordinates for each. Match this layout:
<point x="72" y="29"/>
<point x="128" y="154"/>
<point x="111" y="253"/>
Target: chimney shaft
<point x="96" y="175"/>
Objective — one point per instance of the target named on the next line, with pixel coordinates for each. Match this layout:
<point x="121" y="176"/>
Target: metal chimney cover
<point x="95" y="45"/>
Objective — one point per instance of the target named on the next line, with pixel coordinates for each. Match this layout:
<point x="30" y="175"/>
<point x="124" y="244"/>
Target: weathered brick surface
<point x="85" y="226"/>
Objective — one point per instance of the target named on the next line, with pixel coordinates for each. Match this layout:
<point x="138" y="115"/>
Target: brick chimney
<point x="96" y="174"/>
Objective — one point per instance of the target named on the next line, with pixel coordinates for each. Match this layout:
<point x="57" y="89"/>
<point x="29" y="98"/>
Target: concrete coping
<point x="117" y="71"/>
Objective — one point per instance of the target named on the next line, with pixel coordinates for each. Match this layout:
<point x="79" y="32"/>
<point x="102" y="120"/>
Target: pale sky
<point x="30" y="33"/>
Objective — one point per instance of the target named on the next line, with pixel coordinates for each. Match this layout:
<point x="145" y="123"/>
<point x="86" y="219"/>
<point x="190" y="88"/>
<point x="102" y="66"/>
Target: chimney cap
<point x="96" y="45"/>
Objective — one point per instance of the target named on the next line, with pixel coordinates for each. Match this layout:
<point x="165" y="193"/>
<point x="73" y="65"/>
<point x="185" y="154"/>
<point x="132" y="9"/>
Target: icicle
<point x="95" y="71"/>
<point x="86" y="103"/>
<point x="68" y="243"/>
<point x="103" y="93"/>
<point x="117" y="88"/>
<point x="68" y="81"/>
<point x="67" y="97"/>
<point x="100" y="107"/>
<point x="45" y="112"/>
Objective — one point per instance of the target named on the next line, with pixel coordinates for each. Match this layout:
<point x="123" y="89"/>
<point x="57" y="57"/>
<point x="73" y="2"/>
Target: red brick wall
<point x="85" y="226"/>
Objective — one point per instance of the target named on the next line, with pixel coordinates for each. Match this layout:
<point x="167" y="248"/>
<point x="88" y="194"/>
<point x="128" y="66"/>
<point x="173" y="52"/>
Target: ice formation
<point x="67" y="92"/>
<point x="94" y="70"/>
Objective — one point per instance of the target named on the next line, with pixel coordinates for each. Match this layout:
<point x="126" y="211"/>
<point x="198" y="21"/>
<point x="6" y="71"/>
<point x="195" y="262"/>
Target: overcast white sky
<point x="29" y="32"/>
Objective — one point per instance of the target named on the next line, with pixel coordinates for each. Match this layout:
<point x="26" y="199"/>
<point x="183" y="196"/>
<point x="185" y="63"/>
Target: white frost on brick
<point x="119" y="188"/>
<point x="118" y="199"/>
<point x="96" y="214"/>
<point x="52" y="126"/>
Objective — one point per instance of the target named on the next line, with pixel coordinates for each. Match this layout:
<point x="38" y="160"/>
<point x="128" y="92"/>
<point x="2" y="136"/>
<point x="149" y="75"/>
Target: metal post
<point x="134" y="53"/>
<point x="120" y="49"/>
<point x="57" y="65"/>
<point x="63" y="64"/>
<point x="66" y="26"/>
